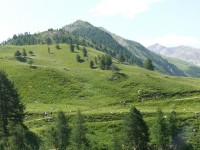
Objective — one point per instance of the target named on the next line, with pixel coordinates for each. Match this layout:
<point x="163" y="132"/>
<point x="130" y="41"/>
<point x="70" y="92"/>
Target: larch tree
<point x="149" y="64"/>
<point x="135" y="130"/>
<point x="159" y="131"/>
<point x="78" y="134"/>
<point x="60" y="132"/>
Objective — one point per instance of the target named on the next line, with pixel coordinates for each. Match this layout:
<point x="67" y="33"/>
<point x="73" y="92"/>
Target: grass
<point x="58" y="82"/>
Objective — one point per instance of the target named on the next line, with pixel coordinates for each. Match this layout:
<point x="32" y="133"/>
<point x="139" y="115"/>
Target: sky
<point x="168" y="22"/>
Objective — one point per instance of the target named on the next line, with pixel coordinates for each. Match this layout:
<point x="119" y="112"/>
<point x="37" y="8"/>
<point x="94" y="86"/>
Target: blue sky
<point x="168" y="22"/>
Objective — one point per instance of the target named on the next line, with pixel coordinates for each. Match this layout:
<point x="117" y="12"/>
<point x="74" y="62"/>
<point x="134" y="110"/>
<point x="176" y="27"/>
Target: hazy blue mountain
<point x="185" y="53"/>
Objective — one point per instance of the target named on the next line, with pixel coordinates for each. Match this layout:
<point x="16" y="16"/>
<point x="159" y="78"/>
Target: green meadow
<point x="56" y="81"/>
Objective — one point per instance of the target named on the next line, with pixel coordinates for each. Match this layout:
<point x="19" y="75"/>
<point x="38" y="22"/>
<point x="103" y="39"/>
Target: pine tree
<point x="24" y="54"/>
<point x="78" y="58"/>
<point x="12" y="110"/>
<point x="13" y="133"/>
<point x="172" y="125"/>
<point x="17" y="53"/>
<point x="78" y="136"/>
<point x="136" y="130"/>
<point x="59" y="134"/>
<point x="159" y="131"/>
<point x="91" y="64"/>
<point x="148" y="64"/>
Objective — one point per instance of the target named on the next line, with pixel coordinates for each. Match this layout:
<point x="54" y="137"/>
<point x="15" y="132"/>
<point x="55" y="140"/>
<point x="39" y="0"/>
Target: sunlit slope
<point x="57" y="81"/>
<point x="57" y="78"/>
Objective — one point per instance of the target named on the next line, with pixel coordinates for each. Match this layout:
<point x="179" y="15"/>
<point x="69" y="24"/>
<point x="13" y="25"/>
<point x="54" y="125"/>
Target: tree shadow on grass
<point x="33" y="67"/>
<point x="21" y="59"/>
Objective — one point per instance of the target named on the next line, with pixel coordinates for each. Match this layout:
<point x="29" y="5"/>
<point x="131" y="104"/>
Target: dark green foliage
<point x="59" y="133"/>
<point x="115" y="143"/>
<point x="17" y="53"/>
<point x="136" y="130"/>
<point x="13" y="133"/>
<point x="12" y="110"/>
<point x="77" y="47"/>
<point x="72" y="48"/>
<point x="91" y="64"/>
<point x="172" y="125"/>
<point x="24" y="54"/>
<point x="78" y="136"/>
<point x="57" y="46"/>
<point x="148" y="64"/>
<point x="84" y="52"/>
<point x="24" y="39"/>
<point x="78" y="58"/>
<point x="30" y="52"/>
<point x="110" y="45"/>
<point x="48" y="41"/>
<point x="159" y="132"/>
<point x="105" y="62"/>
<point x="120" y="58"/>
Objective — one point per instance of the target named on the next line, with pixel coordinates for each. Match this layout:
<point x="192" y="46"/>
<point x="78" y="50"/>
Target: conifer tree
<point x="159" y="132"/>
<point x="13" y="133"/>
<point x="78" y="136"/>
<point x="59" y="134"/>
<point x="12" y="110"/>
<point x="24" y="54"/>
<point x="148" y="64"/>
<point x="91" y="64"/>
<point x="136" y="130"/>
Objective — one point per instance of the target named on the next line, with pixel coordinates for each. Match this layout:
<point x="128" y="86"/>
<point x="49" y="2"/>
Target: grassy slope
<point x="58" y="82"/>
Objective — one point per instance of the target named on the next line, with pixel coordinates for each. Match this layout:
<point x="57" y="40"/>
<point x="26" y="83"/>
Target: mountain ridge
<point x="85" y="34"/>
<point x="138" y="52"/>
<point x="186" y="53"/>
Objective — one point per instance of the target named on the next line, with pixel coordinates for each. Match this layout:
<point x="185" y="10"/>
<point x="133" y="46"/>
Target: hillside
<point x="56" y="81"/>
<point x="134" y="52"/>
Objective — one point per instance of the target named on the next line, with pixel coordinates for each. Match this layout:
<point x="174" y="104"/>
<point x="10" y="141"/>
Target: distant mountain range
<point x="186" y="53"/>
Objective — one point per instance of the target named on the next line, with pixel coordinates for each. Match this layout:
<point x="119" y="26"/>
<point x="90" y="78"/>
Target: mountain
<point x="186" y="53"/>
<point x="85" y="34"/>
<point x="133" y="51"/>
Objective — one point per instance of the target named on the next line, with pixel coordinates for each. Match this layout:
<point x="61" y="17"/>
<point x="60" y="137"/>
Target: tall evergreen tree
<point x="159" y="131"/>
<point x="149" y="64"/>
<point x="11" y="109"/>
<point x="91" y="64"/>
<point x="59" y="134"/>
<point x="136" y="130"/>
<point x="78" y="136"/>
<point x="13" y="133"/>
<point x="24" y="54"/>
<point x="17" y="53"/>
